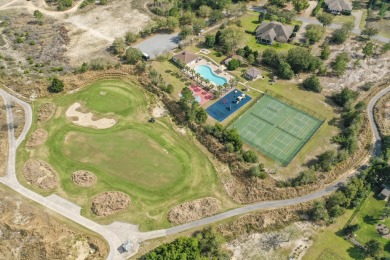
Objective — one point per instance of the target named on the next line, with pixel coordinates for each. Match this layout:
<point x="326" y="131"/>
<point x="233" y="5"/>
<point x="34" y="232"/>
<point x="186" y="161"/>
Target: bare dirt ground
<point x="159" y="111"/>
<point x="382" y="114"/>
<point x="46" y="112"/>
<point x="194" y="210"/>
<point x="38" y="137"/>
<point x="87" y="119"/>
<point x="360" y="70"/>
<point x="28" y="232"/>
<point x="111" y="202"/>
<point x="18" y="112"/>
<point x="40" y="174"/>
<point x="92" y="32"/>
<point x="3" y="139"/>
<point x="290" y="242"/>
<point x="84" y="178"/>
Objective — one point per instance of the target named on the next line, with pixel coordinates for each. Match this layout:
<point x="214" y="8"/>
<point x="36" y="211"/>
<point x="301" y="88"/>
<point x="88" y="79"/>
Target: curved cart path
<point x="117" y="232"/>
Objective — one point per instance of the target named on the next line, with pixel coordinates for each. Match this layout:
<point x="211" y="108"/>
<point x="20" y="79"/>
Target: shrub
<point x="56" y="86"/>
<point x="297" y="27"/>
<point x="250" y="156"/>
<point x="233" y="64"/>
<point x="312" y="83"/>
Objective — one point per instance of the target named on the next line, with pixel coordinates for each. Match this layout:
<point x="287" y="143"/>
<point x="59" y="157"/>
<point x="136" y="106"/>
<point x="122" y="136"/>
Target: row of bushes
<point x="318" y="7"/>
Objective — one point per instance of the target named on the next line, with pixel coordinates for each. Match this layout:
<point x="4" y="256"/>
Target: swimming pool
<point x="206" y="72"/>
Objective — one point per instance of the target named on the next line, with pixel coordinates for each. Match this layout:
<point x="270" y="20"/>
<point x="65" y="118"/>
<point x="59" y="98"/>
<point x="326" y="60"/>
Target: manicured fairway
<point x="276" y="129"/>
<point x="155" y="164"/>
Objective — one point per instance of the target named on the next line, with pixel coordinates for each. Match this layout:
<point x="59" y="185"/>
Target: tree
<point x="373" y="247"/>
<point x="304" y="178"/>
<point x="350" y="229"/>
<point x="215" y="16"/>
<point x="278" y="3"/>
<point x="325" y="18"/>
<point x="258" y="171"/>
<point x="325" y="53"/>
<point x="370" y="31"/>
<point x="133" y="55"/>
<point x="382" y="10"/>
<point x="204" y="11"/>
<point x="340" y="64"/>
<point x="200" y="115"/>
<point x="326" y="161"/>
<point x="130" y="38"/>
<point x="300" y="59"/>
<point x="171" y="23"/>
<point x="119" y="46"/>
<point x="300" y="5"/>
<point x="251" y="58"/>
<point x="314" y="32"/>
<point x="368" y="49"/>
<point x="270" y="57"/>
<point x="385" y="48"/>
<point x="250" y="156"/>
<point x="231" y="39"/>
<point x="345" y="96"/>
<point x="233" y="64"/>
<point x="187" y="18"/>
<point x="39" y="16"/>
<point x="285" y="71"/>
<point x="198" y="26"/>
<point x="341" y="35"/>
<point x="386" y="212"/>
<point x="56" y="86"/>
<point x="187" y="98"/>
<point x="209" y="40"/>
<point x="319" y="212"/>
<point x="185" y="32"/>
<point x="312" y="83"/>
<point x="261" y="17"/>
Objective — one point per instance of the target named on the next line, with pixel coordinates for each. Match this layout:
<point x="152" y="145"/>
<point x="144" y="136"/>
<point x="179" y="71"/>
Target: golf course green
<point x="155" y="164"/>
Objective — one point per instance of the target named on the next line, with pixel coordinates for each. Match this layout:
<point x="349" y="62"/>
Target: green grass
<point x="328" y="240"/>
<point x="276" y="129"/>
<point x="153" y="163"/>
<point x="329" y="255"/>
<point x="367" y="218"/>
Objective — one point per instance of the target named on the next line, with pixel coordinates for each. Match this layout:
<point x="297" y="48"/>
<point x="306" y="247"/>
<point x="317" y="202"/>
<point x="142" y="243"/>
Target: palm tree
<point x="225" y="86"/>
<point x="197" y="76"/>
<point x="192" y="72"/>
<point x="186" y="68"/>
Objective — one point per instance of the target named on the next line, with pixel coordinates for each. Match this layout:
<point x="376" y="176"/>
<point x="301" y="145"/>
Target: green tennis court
<point x="276" y="129"/>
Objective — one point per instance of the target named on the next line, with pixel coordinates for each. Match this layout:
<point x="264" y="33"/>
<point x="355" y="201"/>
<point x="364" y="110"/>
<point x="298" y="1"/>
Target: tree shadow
<point x="387" y="247"/>
<point x="356" y="253"/>
<point x="369" y="219"/>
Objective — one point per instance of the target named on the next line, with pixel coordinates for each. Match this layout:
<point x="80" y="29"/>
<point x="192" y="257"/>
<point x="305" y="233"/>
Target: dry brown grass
<point x="3" y="139"/>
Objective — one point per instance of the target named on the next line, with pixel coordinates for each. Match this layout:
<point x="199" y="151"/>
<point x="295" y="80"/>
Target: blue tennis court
<point x="227" y="105"/>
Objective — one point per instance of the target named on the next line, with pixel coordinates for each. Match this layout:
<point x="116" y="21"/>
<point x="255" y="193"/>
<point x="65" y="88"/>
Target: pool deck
<point x="214" y="68"/>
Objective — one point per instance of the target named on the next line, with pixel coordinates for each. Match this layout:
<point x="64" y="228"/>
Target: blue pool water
<point x="206" y="72"/>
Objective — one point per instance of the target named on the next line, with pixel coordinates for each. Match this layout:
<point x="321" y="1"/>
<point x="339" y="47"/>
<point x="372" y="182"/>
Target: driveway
<point x="159" y="44"/>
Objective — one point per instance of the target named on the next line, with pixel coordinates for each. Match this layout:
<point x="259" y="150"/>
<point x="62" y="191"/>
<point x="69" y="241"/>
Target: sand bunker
<point x="84" y="178"/>
<point x="46" y="111"/>
<point x="40" y="174"/>
<point x="111" y="202"/>
<point x="38" y="137"/>
<point x="194" y="210"/>
<point x="86" y="119"/>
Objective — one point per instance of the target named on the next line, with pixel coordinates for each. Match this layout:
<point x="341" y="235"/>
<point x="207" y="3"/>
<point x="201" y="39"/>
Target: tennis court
<point x="227" y="105"/>
<point x="276" y="129"/>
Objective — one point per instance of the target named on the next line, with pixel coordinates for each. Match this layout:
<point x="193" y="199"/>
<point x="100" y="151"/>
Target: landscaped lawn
<point x="367" y="218"/>
<point x="153" y="163"/>
<point x="327" y="243"/>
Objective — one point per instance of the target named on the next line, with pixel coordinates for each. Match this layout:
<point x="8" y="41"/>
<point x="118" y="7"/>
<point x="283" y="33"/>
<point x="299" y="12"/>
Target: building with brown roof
<point x="252" y="73"/>
<point x="185" y="58"/>
<point x="268" y="32"/>
<point x="339" y="6"/>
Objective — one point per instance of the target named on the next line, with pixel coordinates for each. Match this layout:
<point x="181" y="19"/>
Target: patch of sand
<point x="86" y="119"/>
<point x="38" y="137"/>
<point x="40" y="174"/>
<point x="84" y="178"/>
<point x="193" y="210"/>
<point x="159" y="112"/>
<point x="111" y="202"/>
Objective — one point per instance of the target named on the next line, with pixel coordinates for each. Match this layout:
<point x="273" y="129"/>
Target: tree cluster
<point x="249" y="54"/>
<point x="205" y="244"/>
<point x="226" y="136"/>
